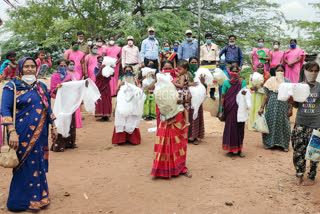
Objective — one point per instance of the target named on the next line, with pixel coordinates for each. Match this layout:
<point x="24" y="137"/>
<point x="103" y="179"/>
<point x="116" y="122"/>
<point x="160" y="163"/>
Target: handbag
<point x="8" y="156"/>
<point x="260" y="124"/>
<point x="313" y="149"/>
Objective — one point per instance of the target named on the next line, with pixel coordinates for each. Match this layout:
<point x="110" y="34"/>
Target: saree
<point x="29" y="188"/>
<point x="76" y="56"/>
<point x="170" y="149"/>
<point x="103" y="105"/>
<point x="196" y="128"/>
<point x="233" y="133"/>
<point x="291" y="55"/>
<point x="61" y="142"/>
<point x="91" y="63"/>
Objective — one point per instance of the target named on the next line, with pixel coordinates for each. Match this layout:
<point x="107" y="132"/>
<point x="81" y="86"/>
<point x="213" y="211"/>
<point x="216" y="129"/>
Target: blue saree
<point x="29" y="188"/>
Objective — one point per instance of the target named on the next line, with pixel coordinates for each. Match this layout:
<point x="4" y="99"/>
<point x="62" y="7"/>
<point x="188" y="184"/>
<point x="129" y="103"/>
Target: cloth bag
<point x="8" y="156"/>
<point x="313" y="149"/>
<point x="260" y="124"/>
<point x="199" y="94"/>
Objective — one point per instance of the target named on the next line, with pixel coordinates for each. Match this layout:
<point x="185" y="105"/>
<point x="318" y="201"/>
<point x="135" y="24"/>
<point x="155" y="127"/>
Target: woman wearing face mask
<point x="257" y="95"/>
<point x="29" y="137"/>
<point x="293" y="59"/>
<point x="99" y="43"/>
<point x="114" y="51"/>
<point x="233" y="133"/>
<point x="223" y="67"/>
<point x="91" y="62"/>
<point x="78" y="57"/>
<point x="61" y="143"/>
<point x="123" y="137"/>
<point x="104" y="104"/>
<point x="196" y="129"/>
<point x="307" y="119"/>
<point x="276" y="57"/>
<point x="277" y="113"/>
<point x="260" y="55"/>
<point x="167" y="55"/>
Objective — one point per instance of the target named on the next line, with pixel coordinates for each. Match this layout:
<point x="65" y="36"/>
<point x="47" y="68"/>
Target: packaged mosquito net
<point x="199" y="94"/>
<point x="257" y="80"/>
<point x="219" y="76"/>
<point x="110" y="63"/>
<point x="206" y="73"/>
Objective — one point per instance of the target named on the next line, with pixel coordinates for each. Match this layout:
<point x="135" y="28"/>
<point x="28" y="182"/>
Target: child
<point x="182" y="83"/>
<point x="149" y="108"/>
<point x="9" y="67"/>
<point x="43" y="66"/>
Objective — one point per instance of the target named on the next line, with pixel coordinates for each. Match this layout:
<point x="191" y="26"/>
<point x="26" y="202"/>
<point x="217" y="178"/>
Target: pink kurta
<point x="291" y="55"/>
<point x="276" y="57"/>
<point x="114" y="51"/>
<point x="55" y="80"/>
<point x="255" y="59"/>
<point x="92" y="62"/>
<point x="100" y="51"/>
<point x="76" y="56"/>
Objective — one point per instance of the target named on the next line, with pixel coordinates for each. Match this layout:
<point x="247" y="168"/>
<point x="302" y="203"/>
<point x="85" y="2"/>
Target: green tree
<point x="52" y="24"/>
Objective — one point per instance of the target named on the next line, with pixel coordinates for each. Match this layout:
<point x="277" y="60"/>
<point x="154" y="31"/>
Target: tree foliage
<point x="52" y="24"/>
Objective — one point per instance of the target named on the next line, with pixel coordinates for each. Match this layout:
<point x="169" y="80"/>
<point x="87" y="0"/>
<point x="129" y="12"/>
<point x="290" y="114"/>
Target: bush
<point x="245" y="74"/>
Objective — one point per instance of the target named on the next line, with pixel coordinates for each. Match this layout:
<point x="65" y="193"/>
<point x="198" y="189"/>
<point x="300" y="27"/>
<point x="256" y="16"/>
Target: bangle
<point x="54" y="128"/>
<point x="12" y="130"/>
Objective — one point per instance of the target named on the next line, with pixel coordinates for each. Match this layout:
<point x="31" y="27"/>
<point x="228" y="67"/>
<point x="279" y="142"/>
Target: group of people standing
<point x="29" y="132"/>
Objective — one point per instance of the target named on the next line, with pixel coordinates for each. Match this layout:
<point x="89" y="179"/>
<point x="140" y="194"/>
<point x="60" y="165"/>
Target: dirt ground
<point x="101" y="178"/>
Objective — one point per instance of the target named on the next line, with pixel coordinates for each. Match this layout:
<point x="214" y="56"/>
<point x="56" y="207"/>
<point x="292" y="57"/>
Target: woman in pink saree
<point x="78" y="57"/>
<point x="255" y="58"/>
<point x="115" y="52"/>
<point x="293" y="60"/>
<point x="99" y="43"/>
<point x="91" y="62"/>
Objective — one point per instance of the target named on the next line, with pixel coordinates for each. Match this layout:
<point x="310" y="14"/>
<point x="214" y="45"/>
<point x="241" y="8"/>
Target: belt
<point x="213" y="61"/>
<point x="133" y="64"/>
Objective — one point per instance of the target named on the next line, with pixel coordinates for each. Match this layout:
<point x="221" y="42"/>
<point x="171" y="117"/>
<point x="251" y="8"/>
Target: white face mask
<point x="130" y="43"/>
<point x="276" y="46"/>
<point x="29" y="79"/>
<point x="280" y="75"/>
<point x="111" y="42"/>
<point x="310" y="76"/>
<point x="90" y="43"/>
<point x="99" y="44"/>
<point x="80" y="41"/>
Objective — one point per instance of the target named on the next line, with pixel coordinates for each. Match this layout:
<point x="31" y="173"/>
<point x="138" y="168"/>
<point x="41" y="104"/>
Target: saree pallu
<point x="29" y="188"/>
<point x="104" y="105"/>
<point x="122" y="137"/>
<point x="149" y="108"/>
<point x="196" y="128"/>
<point x="62" y="143"/>
<point x="170" y="149"/>
<point x="233" y="133"/>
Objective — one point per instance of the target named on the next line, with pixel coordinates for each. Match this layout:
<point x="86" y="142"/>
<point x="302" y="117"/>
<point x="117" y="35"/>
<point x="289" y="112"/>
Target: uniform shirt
<point x="150" y="49"/>
<point x="130" y="55"/>
<point x="209" y="52"/>
<point x="187" y="50"/>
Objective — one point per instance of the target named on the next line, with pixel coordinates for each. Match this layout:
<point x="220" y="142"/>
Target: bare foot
<point x="188" y="174"/>
<point x="240" y="153"/>
<point x="299" y="181"/>
<point x="186" y="125"/>
<point x="309" y="182"/>
<point x="266" y="148"/>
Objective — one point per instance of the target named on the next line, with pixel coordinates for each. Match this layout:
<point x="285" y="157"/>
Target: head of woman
<point x="99" y="42"/>
<point x="99" y="61"/>
<point x="183" y="67"/>
<point x="71" y="65"/>
<point x="311" y="72"/>
<point x="293" y="43"/>
<point x="94" y="49"/>
<point x="222" y="64"/>
<point x="260" y="68"/>
<point x="166" y="46"/>
<point x="62" y="66"/>
<point x="260" y="43"/>
<point x="276" y="45"/>
<point x="111" y="40"/>
<point x="234" y="69"/>
<point x="167" y="65"/>
<point x="28" y="70"/>
<point x="279" y="70"/>
<point x="193" y="60"/>
<point x="75" y="45"/>
<point x="234" y="74"/>
<point x="128" y="70"/>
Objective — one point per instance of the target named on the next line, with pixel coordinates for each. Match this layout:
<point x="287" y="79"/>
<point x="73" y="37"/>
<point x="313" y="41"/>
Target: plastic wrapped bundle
<point x="129" y="110"/>
<point x="207" y="75"/>
<point x="166" y="96"/>
<point x="257" y="80"/>
<point x="300" y="92"/>
<point x="283" y="92"/>
<point x="147" y="81"/>
<point x="219" y="76"/>
<point x="110" y="63"/>
<point x="244" y="105"/>
<point x="148" y="71"/>
<point x="199" y="94"/>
